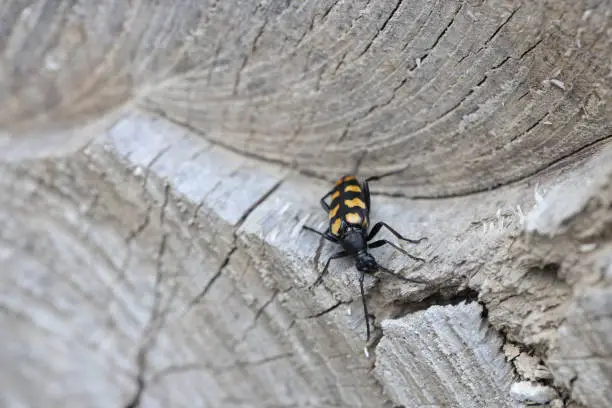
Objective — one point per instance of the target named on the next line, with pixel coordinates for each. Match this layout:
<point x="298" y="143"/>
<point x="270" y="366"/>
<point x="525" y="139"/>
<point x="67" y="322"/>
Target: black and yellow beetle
<point x="349" y="217"/>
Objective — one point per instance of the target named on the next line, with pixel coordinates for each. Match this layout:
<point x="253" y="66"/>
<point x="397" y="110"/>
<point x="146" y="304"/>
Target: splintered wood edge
<point x="569" y="232"/>
<point x="444" y="356"/>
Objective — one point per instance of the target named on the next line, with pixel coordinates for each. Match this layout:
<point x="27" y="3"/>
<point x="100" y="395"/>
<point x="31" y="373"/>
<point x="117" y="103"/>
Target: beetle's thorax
<point x="353" y="240"/>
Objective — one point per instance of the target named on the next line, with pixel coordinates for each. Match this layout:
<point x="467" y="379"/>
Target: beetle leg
<point x="376" y="229"/>
<point x="412" y="280"/>
<point x="387" y="174"/>
<point x="323" y="203"/>
<point x="379" y="243"/>
<point x="325" y="235"/>
<point x="365" y="306"/>
<point x="338" y="255"/>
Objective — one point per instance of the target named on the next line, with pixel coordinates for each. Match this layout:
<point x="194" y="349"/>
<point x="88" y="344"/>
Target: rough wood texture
<point x="161" y="264"/>
<point x="448" y="91"/>
<point x="428" y="359"/>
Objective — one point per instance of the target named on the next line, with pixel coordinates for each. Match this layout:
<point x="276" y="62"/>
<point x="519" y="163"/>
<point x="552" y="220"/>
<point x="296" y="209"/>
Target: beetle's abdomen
<point x="348" y="204"/>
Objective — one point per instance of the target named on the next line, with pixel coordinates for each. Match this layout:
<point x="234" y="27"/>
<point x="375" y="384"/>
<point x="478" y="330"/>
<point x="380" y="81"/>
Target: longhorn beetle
<point x="349" y="214"/>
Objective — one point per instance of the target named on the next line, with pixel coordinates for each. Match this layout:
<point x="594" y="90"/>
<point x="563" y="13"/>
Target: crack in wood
<point x="497" y="66"/>
<point x="531" y="48"/>
<point x="317" y="257"/>
<point x="213" y="279"/>
<point x="134" y="402"/>
<point x="326" y="311"/>
<point x="502" y="25"/>
<point x="253" y="323"/>
<point x="150" y="332"/>
<point x="266" y="304"/>
<point x="187" y="367"/>
<point x="158" y="315"/>
<point x="255" y="363"/>
<point x="380" y="30"/>
<point x="152" y="162"/>
<point x="418" y="30"/>
<point x="326" y="13"/>
<point x="463" y="58"/>
<point x="530" y="128"/>
<point x="140" y="227"/>
<point x="435" y="44"/>
<point x="224" y="145"/>
<point x="215" y="58"/>
<point x="371" y="110"/>
<point x="257" y="203"/>
<point x="519" y="179"/>
<point x="497" y="31"/>
<point x="162" y="211"/>
<point x="340" y="62"/>
<point x="245" y="60"/>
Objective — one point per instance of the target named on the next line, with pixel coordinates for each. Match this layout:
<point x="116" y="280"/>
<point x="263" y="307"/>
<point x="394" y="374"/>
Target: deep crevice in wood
<point x="443" y="297"/>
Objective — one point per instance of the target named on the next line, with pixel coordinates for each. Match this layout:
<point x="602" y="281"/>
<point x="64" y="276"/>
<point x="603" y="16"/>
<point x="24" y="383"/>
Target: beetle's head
<point x="366" y="263"/>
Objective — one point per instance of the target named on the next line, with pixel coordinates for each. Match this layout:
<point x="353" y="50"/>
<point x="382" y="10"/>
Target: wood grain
<point x="195" y="259"/>
<point x="158" y="160"/>
<point x="459" y="96"/>
<point x="416" y="368"/>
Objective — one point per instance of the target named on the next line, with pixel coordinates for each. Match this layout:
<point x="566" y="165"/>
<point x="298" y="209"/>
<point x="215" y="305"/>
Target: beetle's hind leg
<point x="328" y="236"/>
<point x="323" y="203"/>
<point x="377" y="227"/>
<point x="337" y="255"/>
<point x="381" y="242"/>
<point x="325" y="234"/>
<point x="411" y="280"/>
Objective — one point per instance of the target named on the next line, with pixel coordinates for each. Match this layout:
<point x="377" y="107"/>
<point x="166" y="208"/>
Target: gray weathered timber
<point x="421" y="355"/>
<point x="449" y="91"/>
<point x="160" y="159"/>
<point x="163" y="194"/>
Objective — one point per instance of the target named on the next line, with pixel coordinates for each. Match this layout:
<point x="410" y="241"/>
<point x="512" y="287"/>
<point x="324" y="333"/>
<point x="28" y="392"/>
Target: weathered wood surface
<point x="162" y="266"/>
<point x="416" y="364"/>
